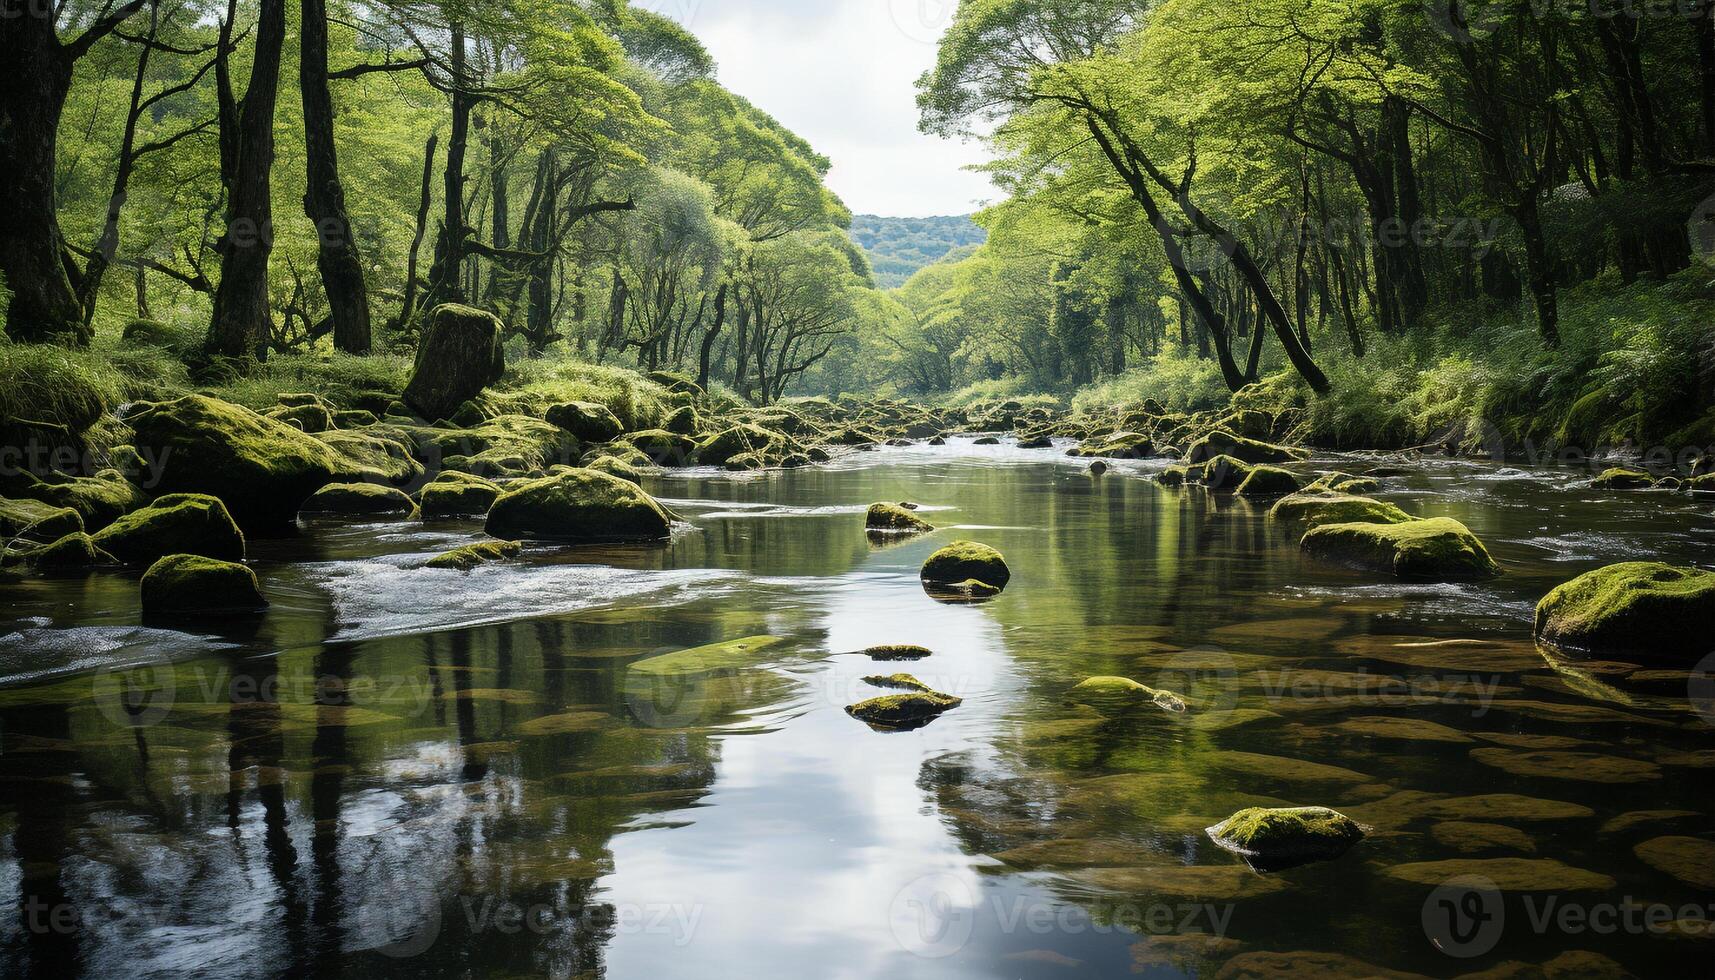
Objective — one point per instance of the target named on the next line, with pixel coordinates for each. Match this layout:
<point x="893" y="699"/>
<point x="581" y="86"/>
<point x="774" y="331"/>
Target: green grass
<point x="336" y="377"/>
<point x="532" y="386"/>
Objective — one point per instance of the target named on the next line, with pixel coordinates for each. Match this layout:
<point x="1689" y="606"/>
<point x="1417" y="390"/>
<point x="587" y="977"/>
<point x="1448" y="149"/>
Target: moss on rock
<point x="1118" y="445"/>
<point x="367" y="499"/>
<point x="742" y="439"/>
<point x="895" y="519"/>
<point x="1635" y="607"/>
<point x="1223" y="474"/>
<point x="34" y="520"/>
<point x="1221" y="443"/>
<point x="614" y="466"/>
<point x="1316" y="509"/>
<point x="476" y="555"/>
<point x="1621" y="478"/>
<point x="1120" y="694"/>
<point x="177" y="524"/>
<point x="579" y="506"/>
<point x="460" y="354"/>
<point x="1275" y="839"/>
<point x="454" y="494"/>
<point x="662" y="447"/>
<point x="897" y="651"/>
<point x="588" y="421"/>
<point x="964" y="561"/>
<point x="898" y="682"/>
<point x="1268" y="481"/>
<point x="73" y="552"/>
<point x="99" y="500"/>
<point x="1436" y="550"/>
<point x="903" y="712"/>
<point x="183" y="584"/>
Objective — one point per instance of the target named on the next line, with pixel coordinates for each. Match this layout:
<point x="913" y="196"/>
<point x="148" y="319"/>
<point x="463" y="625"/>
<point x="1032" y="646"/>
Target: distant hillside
<point x="898" y="247"/>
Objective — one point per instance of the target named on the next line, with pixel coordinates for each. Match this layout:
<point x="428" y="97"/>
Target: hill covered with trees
<point x="898" y="247"/>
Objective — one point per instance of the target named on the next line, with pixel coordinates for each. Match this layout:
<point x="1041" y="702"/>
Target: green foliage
<point x="340" y="378"/>
<point x="898" y="247"/>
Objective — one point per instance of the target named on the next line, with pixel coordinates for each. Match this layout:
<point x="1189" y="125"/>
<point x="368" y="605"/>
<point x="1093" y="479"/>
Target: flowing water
<point x="400" y="772"/>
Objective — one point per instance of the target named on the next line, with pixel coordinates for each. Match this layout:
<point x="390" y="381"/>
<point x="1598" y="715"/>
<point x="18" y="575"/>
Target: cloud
<point x="842" y="75"/>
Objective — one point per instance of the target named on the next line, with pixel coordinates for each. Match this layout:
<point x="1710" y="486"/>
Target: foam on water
<point x="40" y="651"/>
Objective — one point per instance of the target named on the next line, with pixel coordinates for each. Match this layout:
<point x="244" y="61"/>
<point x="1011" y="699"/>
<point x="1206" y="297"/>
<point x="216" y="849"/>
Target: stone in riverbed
<point x="1118" y="445"/>
<point x="892" y="518"/>
<point x="966" y="561"/>
<point x="1690" y="859"/>
<point x="476" y="555"/>
<point x="1510" y="874"/>
<point x="1268" y="481"/>
<point x="1273" y="840"/>
<point x="662" y="447"/>
<point x="1436" y="550"/>
<point x="99" y="500"/>
<point x="897" y="651"/>
<point x="1113" y="695"/>
<point x="899" y="682"/>
<point x="36" y="521"/>
<point x="74" y="552"/>
<point x="614" y="466"/>
<point x="1316" y="509"/>
<point x="1249" y="450"/>
<point x="185" y="584"/>
<point x="588" y="421"/>
<point x="359" y="499"/>
<point x="453" y="494"/>
<point x="1621" y="478"/>
<point x="578" y="506"/>
<point x="1639" y="608"/>
<point x="903" y="712"/>
<point x="1223" y="474"/>
<point x="460" y="355"/>
<point x="177" y="524"/>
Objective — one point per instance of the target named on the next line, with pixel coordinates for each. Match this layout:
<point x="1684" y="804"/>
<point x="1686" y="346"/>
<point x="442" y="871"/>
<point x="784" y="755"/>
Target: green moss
<point x="1119" y="694"/>
<point x="1268" y="481"/>
<point x="1635" y="607"/>
<point x="99" y="500"/>
<point x="181" y="584"/>
<point x="381" y="454"/>
<point x="176" y="524"/>
<point x="964" y="561"/>
<point x="476" y="555"/>
<point x="897" y="651"/>
<point x="459" y="355"/>
<point x="901" y="712"/>
<point x="727" y="655"/>
<point x="74" y="552"/>
<point x="1223" y="474"/>
<point x="1173" y="476"/>
<point x="311" y="418"/>
<point x="1620" y="478"/>
<point x="588" y="421"/>
<point x="663" y="447"/>
<point x="1279" y="838"/>
<point x="745" y="438"/>
<point x="1221" y="443"/>
<point x="261" y="468"/>
<point x="1118" y="445"/>
<point x="359" y="499"/>
<point x="34" y="520"/>
<point x="454" y="494"/>
<point x="902" y="682"/>
<point x="1436" y="550"/>
<point x="578" y="506"/>
<point x="613" y="466"/>
<point x="894" y="518"/>
<point x="684" y="420"/>
<point x="1337" y="508"/>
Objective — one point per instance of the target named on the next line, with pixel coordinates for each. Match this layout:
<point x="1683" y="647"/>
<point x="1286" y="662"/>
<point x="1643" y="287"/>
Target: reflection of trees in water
<point x="277" y="833"/>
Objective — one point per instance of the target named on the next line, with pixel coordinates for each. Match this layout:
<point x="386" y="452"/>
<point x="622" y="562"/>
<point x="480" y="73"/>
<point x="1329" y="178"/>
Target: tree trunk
<point x="709" y="338"/>
<point x="240" y="326"/>
<point x="445" y="280"/>
<point x="409" y="306"/>
<point x="1539" y="270"/>
<point x="324" y="196"/>
<point x="1704" y="24"/>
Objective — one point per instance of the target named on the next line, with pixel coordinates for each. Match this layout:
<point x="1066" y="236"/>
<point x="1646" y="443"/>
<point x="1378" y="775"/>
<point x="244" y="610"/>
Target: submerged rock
<point x="359" y="499"/>
<point x="453" y="494"/>
<point x="1118" y="694"/>
<point x="1436" y="550"/>
<point x="460" y="355"/>
<point x="1273" y="840"/>
<point x="262" y="469"/>
<point x="177" y="524"/>
<point x="967" y="561"/>
<point x="579" y="506"/>
<point x="1510" y="874"/>
<point x="896" y="519"/>
<point x="1645" y="608"/>
<point x="193" y="584"/>
<point x="476" y="555"/>
<point x="903" y="712"/>
<point x="1316" y="509"/>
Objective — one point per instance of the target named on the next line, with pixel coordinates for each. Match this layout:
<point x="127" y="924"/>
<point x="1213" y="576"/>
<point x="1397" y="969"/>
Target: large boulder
<point x="588" y="421"/>
<point x="1118" y="445"/>
<point x="192" y="584"/>
<point x="380" y="454"/>
<point x="262" y="469"/>
<point x="1635" y="608"/>
<point x="1621" y="478"/>
<point x="177" y="524"/>
<point x="75" y="552"/>
<point x="460" y="355"/>
<point x="34" y="520"/>
<point x="99" y="500"/>
<point x="360" y="500"/>
<point x="578" y="505"/>
<point x="1273" y="840"/>
<point x="453" y="494"/>
<point x="1436" y="550"/>
<point x="738" y="440"/>
<point x="1268" y="481"/>
<point x="1221" y="443"/>
<point x="662" y="447"/>
<point x="892" y="518"/>
<point x="1315" y="509"/>
<point x="966" y="561"/>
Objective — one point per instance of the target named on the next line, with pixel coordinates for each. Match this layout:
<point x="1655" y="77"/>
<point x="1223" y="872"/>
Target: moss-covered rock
<point x="588" y="421"/>
<point x="1114" y="695"/>
<point x="663" y="448"/>
<point x="903" y="712"/>
<point x="1283" y="838"/>
<point x="359" y="499"/>
<point x="742" y="439"/>
<point x="144" y="332"/>
<point x="177" y="524"/>
<point x="191" y="584"/>
<point x="964" y="561"/>
<point x="896" y="652"/>
<point x="1637" y="608"/>
<point x="261" y="468"/>
<point x="1621" y="478"/>
<point x="99" y="500"/>
<point x="1221" y="443"/>
<point x="1268" y="481"/>
<point x="34" y="520"/>
<point x="1223" y="474"/>
<point x="1173" y="476"/>
<point x="892" y="518"/>
<point x="1315" y="509"/>
<point x="897" y="682"/>
<point x="580" y="505"/>
<point x="476" y="555"/>
<point x="614" y="466"/>
<point x="73" y="552"/>
<point x="1118" y="445"/>
<point x="677" y="383"/>
<point x="1436" y="550"/>
<point x="381" y="454"/>
<point x="312" y="417"/>
<point x="459" y="355"/>
<point x="684" y="421"/>
<point x="454" y="494"/>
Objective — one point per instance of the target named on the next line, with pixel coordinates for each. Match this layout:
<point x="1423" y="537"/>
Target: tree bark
<point x="324" y="196"/>
<point x="445" y="284"/>
<point x="241" y="326"/>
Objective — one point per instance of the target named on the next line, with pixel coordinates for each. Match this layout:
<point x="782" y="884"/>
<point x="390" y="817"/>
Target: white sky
<point x="842" y="74"/>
